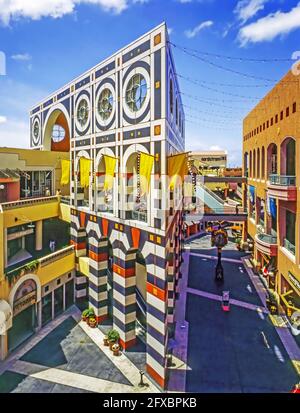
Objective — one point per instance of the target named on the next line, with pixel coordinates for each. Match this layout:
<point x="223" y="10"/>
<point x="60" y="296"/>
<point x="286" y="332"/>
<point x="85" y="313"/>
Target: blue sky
<point x="49" y="42"/>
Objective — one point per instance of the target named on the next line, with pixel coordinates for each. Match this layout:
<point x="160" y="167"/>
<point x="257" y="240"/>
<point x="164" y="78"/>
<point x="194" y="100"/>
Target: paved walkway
<point x="211" y="257"/>
<point x="61" y="373"/>
<point x="238" y="303"/>
<point x="279" y="322"/>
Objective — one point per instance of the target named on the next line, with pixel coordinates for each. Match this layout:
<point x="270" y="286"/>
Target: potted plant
<point x="115" y="349"/>
<point x="92" y="322"/>
<point x="85" y="315"/>
<point x="113" y="337"/>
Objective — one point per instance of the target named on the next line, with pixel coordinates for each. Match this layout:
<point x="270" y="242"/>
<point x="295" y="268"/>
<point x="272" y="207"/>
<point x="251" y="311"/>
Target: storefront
<point x="57" y="297"/>
<point x="290" y="294"/>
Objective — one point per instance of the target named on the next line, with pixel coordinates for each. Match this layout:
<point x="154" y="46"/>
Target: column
<point x="39" y="235"/>
<point x="98" y="266"/>
<point x="124" y="310"/>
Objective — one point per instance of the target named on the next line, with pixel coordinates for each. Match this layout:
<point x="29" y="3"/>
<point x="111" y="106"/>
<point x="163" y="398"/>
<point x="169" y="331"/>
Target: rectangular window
<point x="272" y="121"/>
<point x="281" y="115"/>
<point x="267" y="123"/>
<point x="287" y="112"/>
<point x="276" y="119"/>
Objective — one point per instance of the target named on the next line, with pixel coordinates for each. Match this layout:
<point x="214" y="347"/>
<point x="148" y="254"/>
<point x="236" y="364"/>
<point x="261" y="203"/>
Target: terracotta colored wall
<point x="64" y="145"/>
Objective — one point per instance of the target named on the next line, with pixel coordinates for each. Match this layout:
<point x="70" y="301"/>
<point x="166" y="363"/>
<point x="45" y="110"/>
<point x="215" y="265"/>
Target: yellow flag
<point x="177" y="166"/>
<point x="146" y="164"/>
<point x="65" y="172"/>
<point x="85" y="166"/>
<point x="110" y="165"/>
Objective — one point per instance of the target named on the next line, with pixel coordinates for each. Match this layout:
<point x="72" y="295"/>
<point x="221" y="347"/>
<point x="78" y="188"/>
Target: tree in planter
<point x="88" y="313"/>
<point x="113" y="337"/>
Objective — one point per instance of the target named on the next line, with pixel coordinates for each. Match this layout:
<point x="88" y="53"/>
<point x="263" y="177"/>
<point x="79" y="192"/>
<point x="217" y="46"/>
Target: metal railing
<point x="57" y="255"/>
<point x="289" y="246"/>
<point x="284" y="180"/>
<point x="267" y="238"/>
<point x="28" y="202"/>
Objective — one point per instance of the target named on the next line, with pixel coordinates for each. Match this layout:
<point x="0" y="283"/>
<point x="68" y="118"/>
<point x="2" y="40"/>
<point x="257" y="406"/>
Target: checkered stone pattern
<point x="124" y="313"/>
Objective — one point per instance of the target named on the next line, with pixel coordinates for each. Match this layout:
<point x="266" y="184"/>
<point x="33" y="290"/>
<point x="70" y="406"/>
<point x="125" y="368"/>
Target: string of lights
<point x="214" y="102"/>
<point x="211" y="127"/>
<point x="227" y="69"/>
<point x="223" y="84"/>
<point x="224" y="114"/>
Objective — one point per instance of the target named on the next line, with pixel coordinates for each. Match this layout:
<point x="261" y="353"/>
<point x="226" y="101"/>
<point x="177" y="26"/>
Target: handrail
<point x="268" y="238"/>
<point x="48" y="259"/>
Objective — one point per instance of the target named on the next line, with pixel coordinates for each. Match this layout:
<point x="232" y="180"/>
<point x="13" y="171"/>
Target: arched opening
<point x="104" y="197"/>
<point x="263" y="163"/>
<point x="254" y="163"/>
<point x="258" y="164"/>
<point x="288" y="157"/>
<point x="57" y="133"/>
<point x="136" y="201"/>
<point x="250" y="164"/>
<point x="272" y="159"/>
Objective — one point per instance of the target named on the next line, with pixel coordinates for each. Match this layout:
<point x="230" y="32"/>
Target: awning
<point x="5" y="317"/>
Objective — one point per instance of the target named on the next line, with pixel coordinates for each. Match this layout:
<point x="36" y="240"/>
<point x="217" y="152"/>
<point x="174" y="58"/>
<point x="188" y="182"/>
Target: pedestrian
<point x="47" y="192"/>
<point x="52" y="245"/>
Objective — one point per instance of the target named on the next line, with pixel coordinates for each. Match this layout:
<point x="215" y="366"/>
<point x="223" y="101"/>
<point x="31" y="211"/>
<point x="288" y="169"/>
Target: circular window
<point x="105" y="104"/>
<point x="58" y="133"/>
<point x="136" y="92"/>
<point x="36" y="129"/>
<point x="83" y="112"/>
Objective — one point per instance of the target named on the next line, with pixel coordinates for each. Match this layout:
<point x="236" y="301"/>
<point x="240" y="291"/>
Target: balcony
<point x="266" y="244"/>
<point x="289" y="246"/>
<point x="282" y="187"/>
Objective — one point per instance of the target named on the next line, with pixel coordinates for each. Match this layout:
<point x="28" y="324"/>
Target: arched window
<point x="254" y="164"/>
<point x="258" y="164"/>
<point x="250" y="164"/>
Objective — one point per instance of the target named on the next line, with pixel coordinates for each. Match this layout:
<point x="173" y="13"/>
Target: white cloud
<point x="16" y="9"/>
<point x="3" y="119"/>
<point x="21" y="56"/>
<point x="170" y="30"/>
<point x="193" y="32"/>
<point x="246" y="9"/>
<point x="271" y="26"/>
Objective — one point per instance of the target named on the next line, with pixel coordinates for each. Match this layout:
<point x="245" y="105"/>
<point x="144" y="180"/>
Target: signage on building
<point x="294" y="280"/>
<point x="26" y="295"/>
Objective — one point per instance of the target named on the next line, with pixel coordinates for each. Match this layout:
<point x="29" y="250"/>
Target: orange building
<point x="271" y="147"/>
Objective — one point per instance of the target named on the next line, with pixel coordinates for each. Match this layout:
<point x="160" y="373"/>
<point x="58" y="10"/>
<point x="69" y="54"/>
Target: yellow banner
<point x="146" y="164"/>
<point x="177" y="166"/>
<point x="85" y="166"/>
<point x="65" y="172"/>
<point x="110" y="166"/>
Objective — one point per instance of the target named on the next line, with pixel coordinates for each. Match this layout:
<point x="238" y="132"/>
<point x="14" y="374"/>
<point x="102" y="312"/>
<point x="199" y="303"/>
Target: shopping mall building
<point x="123" y="122"/>
<point x="271" y="147"/>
